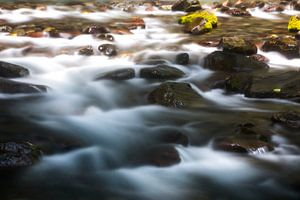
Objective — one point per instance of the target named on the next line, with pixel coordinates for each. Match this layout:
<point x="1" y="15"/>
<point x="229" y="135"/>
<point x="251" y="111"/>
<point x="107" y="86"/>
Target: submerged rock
<point x="230" y="62"/>
<point x="239" y="144"/>
<point x="287" y="46"/>
<point x="120" y="74"/>
<point x="238" y="45"/>
<point x="161" y="72"/>
<point x="18" y="154"/>
<point x="9" y="70"/>
<point x="14" y="87"/>
<point x="175" y="95"/>
<point x="294" y="24"/>
<point x="289" y="119"/>
<point x="108" y="49"/>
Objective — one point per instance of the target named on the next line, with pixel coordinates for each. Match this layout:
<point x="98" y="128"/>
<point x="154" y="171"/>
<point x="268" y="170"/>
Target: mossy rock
<point x="294" y="24"/>
<point x="210" y="17"/>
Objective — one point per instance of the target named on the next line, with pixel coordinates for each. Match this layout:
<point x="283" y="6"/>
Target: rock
<point x="238" y="45"/>
<point x="297" y="36"/>
<point x="259" y="4"/>
<point x="13" y="87"/>
<point x="282" y="85"/>
<point x="95" y="29"/>
<point x="175" y="95"/>
<point x="287" y="46"/>
<point x="224" y="9"/>
<point x="8" y="70"/>
<point x="174" y="137"/>
<point x="120" y="74"/>
<point x="216" y="5"/>
<point x="296" y="5"/>
<point x="237" y="12"/>
<point x="240" y="144"/>
<point x="274" y="8"/>
<point x="161" y="156"/>
<point x="259" y="58"/>
<point x="208" y="16"/>
<point x="6" y="28"/>
<point x="153" y="62"/>
<point x="86" y="51"/>
<point x="198" y="26"/>
<point x="132" y="23"/>
<point x="223" y="61"/>
<point x="294" y="24"/>
<point x="18" y="154"/>
<point x="238" y="83"/>
<point x="161" y="72"/>
<point x="107" y="37"/>
<point x="290" y="119"/>
<point x="186" y="6"/>
<point x="182" y="59"/>
<point x="254" y="132"/>
<point x="108" y="49"/>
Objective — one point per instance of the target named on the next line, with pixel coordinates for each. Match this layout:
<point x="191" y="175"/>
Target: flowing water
<point x="97" y="127"/>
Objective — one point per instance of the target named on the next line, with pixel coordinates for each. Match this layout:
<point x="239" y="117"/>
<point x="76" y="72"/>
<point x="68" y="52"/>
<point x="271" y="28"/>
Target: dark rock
<point x="86" y="51"/>
<point x="174" y="137"/>
<point x="287" y="46"/>
<point x="108" y="49"/>
<point x="238" y="83"/>
<point x="161" y="72"/>
<point x="8" y="70"/>
<point x="289" y="119"/>
<point x="223" y="61"/>
<point x="259" y="58"/>
<point x="120" y="74"/>
<point x="162" y="156"/>
<point x="274" y="8"/>
<point x="176" y="95"/>
<point x="297" y="36"/>
<point x="282" y="85"/>
<point x="259" y="4"/>
<point x="224" y="9"/>
<point x="18" y="154"/>
<point x="95" y="29"/>
<point x="180" y="5"/>
<point x="240" y="144"/>
<point x="6" y="28"/>
<point x="182" y="59"/>
<point x="13" y="87"/>
<point x="254" y="132"/>
<point x="107" y="37"/>
<point x="153" y="62"/>
<point x="238" y="45"/>
<point x="237" y="12"/>
<point x="216" y="5"/>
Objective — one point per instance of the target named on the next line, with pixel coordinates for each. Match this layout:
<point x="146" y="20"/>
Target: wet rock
<point x="120" y="74"/>
<point x="161" y="72"/>
<point x="6" y="28"/>
<point x="175" y="95"/>
<point x="182" y="59"/>
<point x="108" y="49"/>
<point x="238" y="45"/>
<point x="13" y="87"/>
<point x="216" y="5"/>
<point x="95" y="29"/>
<point x="162" y="156"/>
<point x="198" y="26"/>
<point x="186" y="5"/>
<point x="223" y="61"/>
<point x="52" y="32"/>
<point x="208" y="16"/>
<point x="131" y="24"/>
<point x="260" y="58"/>
<point x="238" y="83"/>
<point x="86" y="51"/>
<point x="239" y="144"/>
<point x="18" y="154"/>
<point x="274" y="8"/>
<point x="9" y="70"/>
<point x="289" y="119"/>
<point x="294" y="24"/>
<point x="296" y="5"/>
<point x="254" y="132"/>
<point x="153" y="62"/>
<point x="107" y="37"/>
<point x="287" y="46"/>
<point x="259" y="4"/>
<point x="282" y="85"/>
<point x="174" y="137"/>
<point x="224" y="9"/>
<point x="237" y="12"/>
<point x="297" y="36"/>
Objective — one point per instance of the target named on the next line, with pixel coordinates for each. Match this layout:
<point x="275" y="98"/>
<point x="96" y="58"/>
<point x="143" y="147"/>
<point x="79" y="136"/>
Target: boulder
<point x="14" y="87"/>
<point x="18" y="155"/>
<point x="108" y="50"/>
<point x="120" y="74"/>
<point x="208" y="16"/>
<point x="161" y="72"/>
<point x="182" y="59"/>
<point x="237" y="12"/>
<point x="238" y="83"/>
<point x="287" y="46"/>
<point x="198" y="26"/>
<point x="294" y="23"/>
<point x="174" y="137"/>
<point x="9" y="70"/>
<point x="86" y="51"/>
<point x="186" y="5"/>
<point x="230" y="62"/>
<point x="238" y="45"/>
<point x="176" y="95"/>
<point x="290" y="119"/>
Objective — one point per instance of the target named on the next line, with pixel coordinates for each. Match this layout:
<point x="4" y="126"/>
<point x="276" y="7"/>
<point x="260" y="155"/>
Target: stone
<point x="120" y="74"/>
<point x="290" y="119"/>
<point x="9" y="70"/>
<point x="95" y="29"/>
<point x="238" y="45"/>
<point x="86" y="51"/>
<point x="237" y="12"/>
<point x="14" y="87"/>
<point x="287" y="46"/>
<point x="175" y="95"/>
<point x="182" y="59"/>
<point x="229" y="62"/>
<point x="161" y="72"/>
<point x="108" y="49"/>
<point x="238" y="83"/>
<point x="15" y="155"/>
<point x="107" y="37"/>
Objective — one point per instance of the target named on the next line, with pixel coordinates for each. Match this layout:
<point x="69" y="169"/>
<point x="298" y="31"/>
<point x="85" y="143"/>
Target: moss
<point x="210" y="17"/>
<point x="208" y="26"/>
<point x="294" y="24"/>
